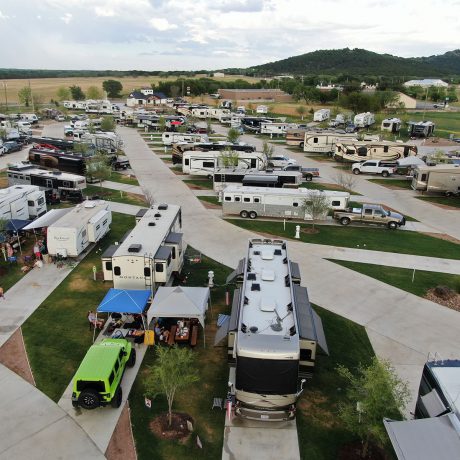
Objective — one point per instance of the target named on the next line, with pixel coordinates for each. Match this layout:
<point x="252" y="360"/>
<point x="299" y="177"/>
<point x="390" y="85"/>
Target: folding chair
<point x="217" y="402"/>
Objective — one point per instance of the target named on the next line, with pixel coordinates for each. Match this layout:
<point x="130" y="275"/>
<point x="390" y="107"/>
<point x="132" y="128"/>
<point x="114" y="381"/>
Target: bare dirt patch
<point x="451" y="301"/>
<point x="121" y="445"/>
<point x="439" y="142"/>
<point x="79" y="283"/>
<point x="13" y="355"/>
<point x="313" y="405"/>
<point x="178" y="429"/>
<point x="353" y="452"/>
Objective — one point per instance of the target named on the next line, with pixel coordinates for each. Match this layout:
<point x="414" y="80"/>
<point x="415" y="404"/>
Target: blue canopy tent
<point x="131" y="301"/>
<point x="14" y="226"/>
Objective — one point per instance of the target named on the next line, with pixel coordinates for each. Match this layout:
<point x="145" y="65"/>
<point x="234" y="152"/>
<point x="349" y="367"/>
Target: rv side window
<point x="146" y="271"/>
<point x="228" y="198"/>
<point x="237" y="198"/>
<point x="168" y="262"/>
<point x="30" y="203"/>
<point x="104" y="222"/>
<point x="40" y="201"/>
<point x="108" y="266"/>
<point x="66" y="183"/>
<point x="295" y="204"/>
<point x="336" y="203"/>
<point x="315" y="140"/>
<point x="385" y="148"/>
<point x="117" y="271"/>
<point x="423" y="178"/>
<point x="208" y="164"/>
<point x="173" y="252"/>
<point x="83" y="234"/>
<point x="158" y="267"/>
<point x="187" y="162"/>
<point x="247" y="199"/>
<point x="256" y="199"/>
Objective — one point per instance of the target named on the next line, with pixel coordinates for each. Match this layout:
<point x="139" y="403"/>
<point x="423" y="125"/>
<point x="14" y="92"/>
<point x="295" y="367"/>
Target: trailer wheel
<point x="252" y="215"/>
<point x="308" y="177"/>
<point x="385" y="174"/>
<point x="392" y="225"/>
<point x="345" y="220"/>
<point x="356" y="171"/>
<point x="301" y="145"/>
<point x="449" y="194"/>
<point x="244" y="214"/>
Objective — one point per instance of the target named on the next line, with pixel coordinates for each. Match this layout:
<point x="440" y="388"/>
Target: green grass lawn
<point x="57" y="334"/>
<point x="378" y="239"/>
<point x="114" y="195"/>
<point x="320" y="186"/>
<point x="123" y="178"/>
<point x="202" y="183"/>
<point x="210" y="199"/>
<point x="10" y="273"/>
<point x="446" y="122"/>
<point x="390" y="183"/>
<point x="444" y="200"/>
<point x="197" y="399"/>
<point x="402" y="277"/>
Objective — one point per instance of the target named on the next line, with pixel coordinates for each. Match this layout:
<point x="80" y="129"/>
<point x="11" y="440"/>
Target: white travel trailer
<point x="322" y="115"/>
<point x="363" y="151"/>
<point x="276" y="128"/>
<point x="274" y="335"/>
<point x="150" y="254"/>
<point x="84" y="224"/>
<point x="262" y="109"/>
<point x="205" y="163"/>
<point x="103" y="106"/>
<point x="170" y="138"/>
<point x="30" y="117"/>
<point x="276" y="202"/>
<point x="393" y="125"/>
<point x="364" y="120"/>
<point x="442" y="178"/>
<point x="22" y="202"/>
<point x="76" y="105"/>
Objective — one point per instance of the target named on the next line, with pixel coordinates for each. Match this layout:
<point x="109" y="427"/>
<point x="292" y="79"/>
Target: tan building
<point x="273" y="95"/>
<point x="409" y="102"/>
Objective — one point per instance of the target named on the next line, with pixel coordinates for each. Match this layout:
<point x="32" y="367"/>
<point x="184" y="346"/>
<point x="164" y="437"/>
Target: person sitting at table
<point x="158" y="330"/>
<point x="97" y="323"/>
<point x="165" y="335"/>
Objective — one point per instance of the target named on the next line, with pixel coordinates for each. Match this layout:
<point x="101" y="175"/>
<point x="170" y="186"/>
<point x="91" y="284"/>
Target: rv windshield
<point x="267" y="376"/>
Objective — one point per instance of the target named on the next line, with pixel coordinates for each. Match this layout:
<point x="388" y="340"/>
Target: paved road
<point x="401" y="326"/>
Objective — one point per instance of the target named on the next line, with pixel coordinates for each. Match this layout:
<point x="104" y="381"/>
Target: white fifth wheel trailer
<point x="280" y="202"/>
<point x="205" y="163"/>
<point x="364" y="120"/>
<point x="170" y="138"/>
<point x="363" y="151"/>
<point x="274" y="335"/>
<point x="86" y="223"/>
<point x="443" y="178"/>
<point x="150" y="254"/>
<point x="22" y="202"/>
<point x="324" y="142"/>
<point x="322" y="115"/>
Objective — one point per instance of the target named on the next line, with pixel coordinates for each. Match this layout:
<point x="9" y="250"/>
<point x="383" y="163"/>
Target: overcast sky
<point x="212" y="34"/>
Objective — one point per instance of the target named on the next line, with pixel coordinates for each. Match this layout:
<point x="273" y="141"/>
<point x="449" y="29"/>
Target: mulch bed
<point x="353" y="452"/>
<point x="452" y="301"/>
<point x="178" y="429"/>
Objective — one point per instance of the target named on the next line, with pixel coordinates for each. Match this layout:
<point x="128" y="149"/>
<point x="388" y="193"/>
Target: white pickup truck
<point x="374" y="167"/>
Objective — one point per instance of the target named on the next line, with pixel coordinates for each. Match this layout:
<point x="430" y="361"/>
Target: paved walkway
<point x="124" y="208"/>
<point x="123" y="187"/>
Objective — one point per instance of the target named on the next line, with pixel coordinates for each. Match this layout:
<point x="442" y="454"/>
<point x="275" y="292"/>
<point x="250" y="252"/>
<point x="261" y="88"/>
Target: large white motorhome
<point x="150" y="254"/>
<point x="170" y="138"/>
<point x="252" y="177"/>
<point x="442" y="178"/>
<point x="56" y="182"/>
<point x="22" y="202"/>
<point x="322" y="115"/>
<point x="273" y="334"/>
<point x="363" y="151"/>
<point x="364" y="120"/>
<point x="276" y="128"/>
<point x="253" y="202"/>
<point x="84" y="224"/>
<point x="205" y="163"/>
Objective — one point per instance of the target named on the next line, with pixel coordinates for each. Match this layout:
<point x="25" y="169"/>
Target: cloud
<point x="162" y="24"/>
<point x="67" y="18"/>
<point x="3" y="16"/>
<point x="104" y="12"/>
<point x="247" y="6"/>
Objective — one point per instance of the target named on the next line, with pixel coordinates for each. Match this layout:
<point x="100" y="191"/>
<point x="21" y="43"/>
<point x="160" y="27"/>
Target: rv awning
<point x="179" y="302"/>
<point x="163" y="253"/>
<point x="124" y="301"/>
<point x="425" y="439"/>
<point x="174" y="238"/>
<point x="110" y="251"/>
<point x="47" y="219"/>
<point x="295" y="272"/>
<point x="309" y="323"/>
<point x="231" y="322"/>
<point x="235" y="273"/>
<point x="14" y="225"/>
<point x="253" y="179"/>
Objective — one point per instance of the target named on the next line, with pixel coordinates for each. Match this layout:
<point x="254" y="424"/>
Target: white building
<point x="426" y="83"/>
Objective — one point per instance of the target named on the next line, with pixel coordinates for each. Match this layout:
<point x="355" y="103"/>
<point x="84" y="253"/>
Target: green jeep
<point x="98" y="379"/>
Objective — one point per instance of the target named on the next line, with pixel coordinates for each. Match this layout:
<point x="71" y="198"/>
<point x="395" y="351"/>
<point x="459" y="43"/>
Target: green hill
<point x="362" y="62"/>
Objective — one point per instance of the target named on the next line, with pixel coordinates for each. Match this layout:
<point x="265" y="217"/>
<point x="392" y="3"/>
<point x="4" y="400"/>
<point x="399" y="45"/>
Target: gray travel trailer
<point x="256" y="202"/>
<point x="273" y="334"/>
<point x="442" y="178"/>
<point x="420" y="128"/>
<point x="150" y="254"/>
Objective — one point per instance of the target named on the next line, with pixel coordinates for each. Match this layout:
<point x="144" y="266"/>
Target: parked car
<point x="281" y="161"/>
<point x="12" y="146"/>
<point x="371" y="214"/>
<point x="307" y="173"/>
<point x="97" y="381"/>
<point x="60" y="118"/>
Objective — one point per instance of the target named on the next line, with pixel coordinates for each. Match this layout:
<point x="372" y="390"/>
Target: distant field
<point x="47" y="87"/>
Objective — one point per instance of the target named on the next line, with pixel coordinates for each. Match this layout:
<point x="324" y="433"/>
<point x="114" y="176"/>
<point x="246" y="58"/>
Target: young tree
<point x="267" y="150"/>
<point x="108" y="124"/>
<point x="345" y="180"/>
<point x="77" y="93"/>
<point x="233" y="135"/>
<point x="113" y="88"/>
<point x="63" y="93"/>
<point x="149" y="197"/>
<point x="98" y="167"/>
<point x="301" y="110"/>
<point x="162" y="124"/>
<point x="37" y="99"/>
<point x="208" y="126"/>
<point x="228" y="158"/>
<point x="93" y="92"/>
<point x="174" y="370"/>
<point x="373" y="393"/>
<point x="25" y="95"/>
<point x="316" y="205"/>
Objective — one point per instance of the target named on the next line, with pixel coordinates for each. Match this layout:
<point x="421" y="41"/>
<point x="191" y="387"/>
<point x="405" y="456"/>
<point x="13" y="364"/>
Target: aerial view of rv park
<point x="229" y="230"/>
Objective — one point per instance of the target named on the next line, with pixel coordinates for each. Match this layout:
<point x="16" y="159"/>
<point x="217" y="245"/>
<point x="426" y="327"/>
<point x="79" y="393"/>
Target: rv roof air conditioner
<point x="163" y="207"/>
<point x="135" y="248"/>
<point x="251" y="276"/>
<point x="255" y="287"/>
<point x="57" y="173"/>
<point x="152" y="224"/>
<point x="157" y="215"/>
<point x="253" y="329"/>
<point x="278" y="252"/>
